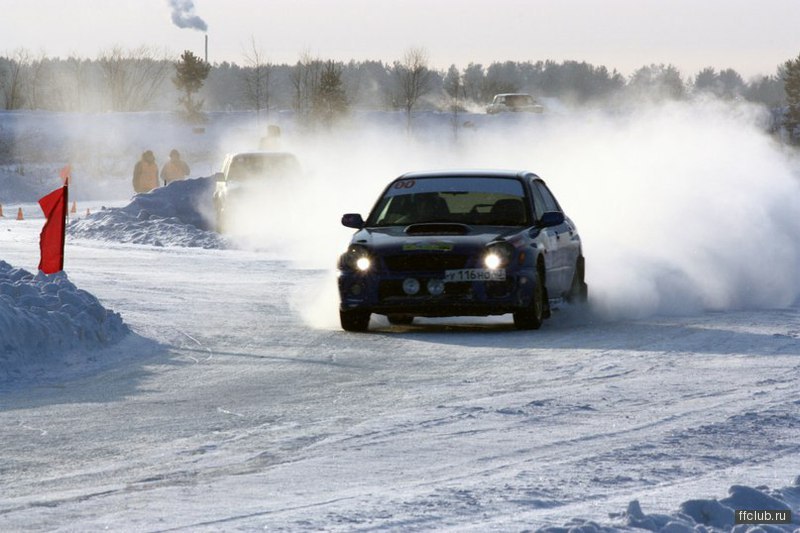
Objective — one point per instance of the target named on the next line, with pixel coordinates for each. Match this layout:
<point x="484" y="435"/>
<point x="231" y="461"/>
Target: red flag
<point x="51" y="240"/>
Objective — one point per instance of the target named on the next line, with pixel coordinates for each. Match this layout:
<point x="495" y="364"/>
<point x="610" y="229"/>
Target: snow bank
<point x="42" y="315"/>
<point x="176" y="215"/>
<point x="704" y="515"/>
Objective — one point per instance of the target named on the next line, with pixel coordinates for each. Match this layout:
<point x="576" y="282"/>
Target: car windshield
<point x="254" y="166"/>
<point x="463" y="200"/>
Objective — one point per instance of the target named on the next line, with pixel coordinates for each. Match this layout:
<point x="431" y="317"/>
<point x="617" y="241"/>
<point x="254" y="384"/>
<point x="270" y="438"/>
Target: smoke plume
<point x="183" y="15"/>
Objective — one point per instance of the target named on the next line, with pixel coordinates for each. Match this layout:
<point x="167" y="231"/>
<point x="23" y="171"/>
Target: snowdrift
<point x="176" y="215"/>
<point x="43" y="315"/>
<point x="703" y="514"/>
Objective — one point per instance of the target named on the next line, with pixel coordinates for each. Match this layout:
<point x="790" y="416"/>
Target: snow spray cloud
<point x="344" y="171"/>
<point x="683" y="207"/>
<point x="183" y="15"/>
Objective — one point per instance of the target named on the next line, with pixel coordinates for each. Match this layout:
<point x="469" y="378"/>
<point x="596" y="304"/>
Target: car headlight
<point x="357" y="258"/>
<point x="363" y="263"/>
<point x="492" y="261"/>
<point x="498" y="255"/>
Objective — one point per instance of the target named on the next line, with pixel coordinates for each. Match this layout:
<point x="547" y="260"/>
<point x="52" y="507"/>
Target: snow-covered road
<point x="229" y="408"/>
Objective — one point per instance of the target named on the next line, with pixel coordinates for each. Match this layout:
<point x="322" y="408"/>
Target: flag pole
<point x="66" y="217"/>
<point x="66" y="175"/>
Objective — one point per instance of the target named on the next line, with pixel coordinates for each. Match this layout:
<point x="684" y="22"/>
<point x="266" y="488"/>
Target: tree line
<point x="142" y="79"/>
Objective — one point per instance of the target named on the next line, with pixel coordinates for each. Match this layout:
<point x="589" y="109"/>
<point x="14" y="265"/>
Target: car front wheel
<point x="533" y="316"/>
<point x="354" y="320"/>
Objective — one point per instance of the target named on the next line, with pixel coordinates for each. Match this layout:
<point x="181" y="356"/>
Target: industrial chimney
<point x="206" y="48"/>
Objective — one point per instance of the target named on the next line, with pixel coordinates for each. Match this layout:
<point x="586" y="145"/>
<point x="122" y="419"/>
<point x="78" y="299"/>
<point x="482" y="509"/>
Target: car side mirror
<point x="352" y="220"/>
<point x="551" y="218"/>
<point x="219" y="176"/>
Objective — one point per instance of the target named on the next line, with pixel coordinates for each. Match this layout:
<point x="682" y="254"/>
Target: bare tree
<point x="41" y="82"/>
<point x="257" y="78"/>
<point x="454" y="87"/>
<point x="133" y="77"/>
<point x="75" y="82"/>
<point x="305" y="79"/>
<point x="413" y="79"/>
<point x="14" y="84"/>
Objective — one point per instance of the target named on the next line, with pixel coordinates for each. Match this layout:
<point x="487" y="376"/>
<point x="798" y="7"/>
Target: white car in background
<point x="245" y="172"/>
<point x="514" y="103"/>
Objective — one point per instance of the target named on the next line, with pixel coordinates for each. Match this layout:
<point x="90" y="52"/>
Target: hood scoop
<point x="437" y="228"/>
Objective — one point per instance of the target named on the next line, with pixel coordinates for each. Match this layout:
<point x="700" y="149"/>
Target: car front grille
<point x="424" y="262"/>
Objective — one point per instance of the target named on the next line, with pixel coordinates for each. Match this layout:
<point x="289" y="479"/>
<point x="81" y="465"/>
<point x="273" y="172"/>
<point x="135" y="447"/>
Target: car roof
<point x="469" y="173"/>
<point x="261" y="153"/>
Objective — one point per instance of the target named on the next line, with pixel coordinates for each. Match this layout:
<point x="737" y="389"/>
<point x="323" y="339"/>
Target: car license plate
<point x="474" y="274"/>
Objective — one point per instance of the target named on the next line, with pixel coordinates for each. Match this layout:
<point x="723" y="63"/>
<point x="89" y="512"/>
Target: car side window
<point x="538" y="201"/>
<point x="550" y="203"/>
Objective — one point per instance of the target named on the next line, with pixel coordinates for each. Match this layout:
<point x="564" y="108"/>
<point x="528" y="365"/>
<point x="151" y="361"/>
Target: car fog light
<point x="435" y="287"/>
<point x="363" y="263"/>
<point x="356" y="289"/>
<point x="410" y="286"/>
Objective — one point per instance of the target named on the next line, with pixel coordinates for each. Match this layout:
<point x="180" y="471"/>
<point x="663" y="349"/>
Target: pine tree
<point x="791" y="78"/>
<point x="329" y="98"/>
<point x="191" y="73"/>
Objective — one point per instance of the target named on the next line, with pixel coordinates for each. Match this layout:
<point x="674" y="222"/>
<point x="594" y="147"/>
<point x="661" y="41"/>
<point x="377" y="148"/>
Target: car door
<point x="560" y="246"/>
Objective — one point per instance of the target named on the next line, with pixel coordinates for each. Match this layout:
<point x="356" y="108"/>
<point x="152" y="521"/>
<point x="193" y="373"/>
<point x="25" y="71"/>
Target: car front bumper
<point x="384" y="294"/>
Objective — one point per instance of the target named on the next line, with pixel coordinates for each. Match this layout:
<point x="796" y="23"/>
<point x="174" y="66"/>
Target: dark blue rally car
<point x="461" y="243"/>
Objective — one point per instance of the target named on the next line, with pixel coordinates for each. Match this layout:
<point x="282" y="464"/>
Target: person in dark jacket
<point x="174" y="169"/>
<point x="145" y="173"/>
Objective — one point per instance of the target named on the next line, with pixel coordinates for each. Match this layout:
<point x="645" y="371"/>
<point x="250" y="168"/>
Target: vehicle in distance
<point x="460" y="243"/>
<point x="244" y="173"/>
<point x="514" y="103"/>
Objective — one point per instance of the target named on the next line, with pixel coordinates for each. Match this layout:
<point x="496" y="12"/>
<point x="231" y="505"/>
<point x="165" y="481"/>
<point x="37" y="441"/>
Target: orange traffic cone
<point x="19" y="214"/>
<point x="74" y="207"/>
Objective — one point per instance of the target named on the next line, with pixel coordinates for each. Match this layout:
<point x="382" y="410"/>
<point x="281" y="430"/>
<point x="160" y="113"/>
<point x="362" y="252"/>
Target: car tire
<point x="533" y="316"/>
<point x="579" y="291"/>
<point x="354" y="320"/>
<point x="400" y="320"/>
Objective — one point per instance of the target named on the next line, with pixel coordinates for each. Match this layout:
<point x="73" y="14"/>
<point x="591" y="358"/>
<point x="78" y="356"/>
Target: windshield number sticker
<point x="474" y="274"/>
<point x="405" y="184"/>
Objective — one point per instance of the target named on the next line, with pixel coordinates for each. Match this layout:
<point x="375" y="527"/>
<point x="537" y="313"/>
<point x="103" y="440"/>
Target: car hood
<point x="394" y="239"/>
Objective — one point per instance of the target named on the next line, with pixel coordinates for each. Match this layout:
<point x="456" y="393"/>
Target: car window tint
<point x="519" y="100"/>
<point x="487" y="201"/>
<point x="538" y="201"/>
<point x="247" y="166"/>
<point x="550" y="203"/>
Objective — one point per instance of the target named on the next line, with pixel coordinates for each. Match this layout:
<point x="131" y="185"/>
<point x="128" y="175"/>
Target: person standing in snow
<point x="174" y="169"/>
<point x="273" y="139"/>
<point x="145" y="173"/>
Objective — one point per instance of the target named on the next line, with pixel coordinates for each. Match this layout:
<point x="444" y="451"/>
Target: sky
<point x="750" y="37"/>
